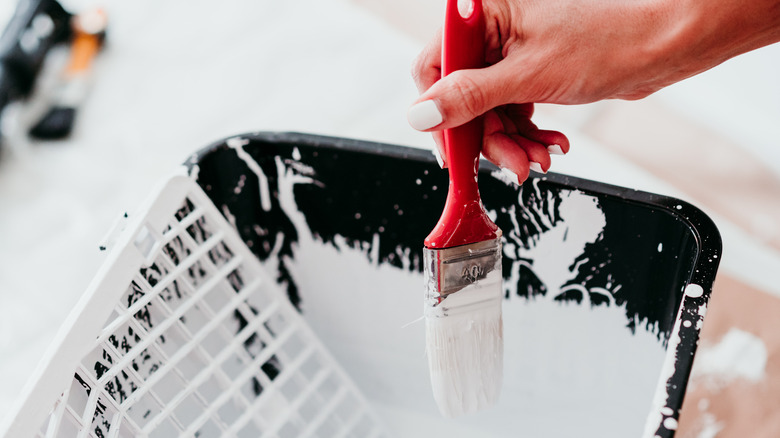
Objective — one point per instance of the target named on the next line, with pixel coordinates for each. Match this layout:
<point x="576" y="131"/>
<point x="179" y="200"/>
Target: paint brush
<point x="464" y="290"/>
<point x="88" y="34"/>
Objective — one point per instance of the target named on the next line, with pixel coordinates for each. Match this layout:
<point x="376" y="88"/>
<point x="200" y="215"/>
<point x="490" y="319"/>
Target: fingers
<point x="504" y="153"/>
<point x="460" y="97"/>
<point x="511" y="140"/>
<point x="426" y="69"/>
<point x="538" y="157"/>
<point x="517" y="145"/>
<point x="520" y="115"/>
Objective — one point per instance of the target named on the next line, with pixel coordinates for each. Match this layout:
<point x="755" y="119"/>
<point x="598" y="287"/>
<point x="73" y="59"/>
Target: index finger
<point x="426" y="69"/>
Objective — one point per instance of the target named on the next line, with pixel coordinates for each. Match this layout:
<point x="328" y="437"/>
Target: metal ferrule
<point x="449" y="270"/>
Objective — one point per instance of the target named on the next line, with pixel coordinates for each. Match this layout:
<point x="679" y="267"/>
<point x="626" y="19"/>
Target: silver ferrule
<point x="449" y="270"/>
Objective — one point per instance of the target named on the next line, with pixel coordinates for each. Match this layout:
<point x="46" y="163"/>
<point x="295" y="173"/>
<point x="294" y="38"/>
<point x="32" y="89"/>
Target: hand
<point x="574" y="52"/>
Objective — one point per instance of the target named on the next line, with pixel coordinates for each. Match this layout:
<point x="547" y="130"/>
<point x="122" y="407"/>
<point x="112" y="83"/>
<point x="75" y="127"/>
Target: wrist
<point x="697" y="35"/>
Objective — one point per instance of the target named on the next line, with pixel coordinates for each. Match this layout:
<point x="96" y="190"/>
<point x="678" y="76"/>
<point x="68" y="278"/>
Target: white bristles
<point x="465" y="346"/>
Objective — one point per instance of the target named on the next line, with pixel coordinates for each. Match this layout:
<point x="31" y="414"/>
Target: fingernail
<point x="424" y="115"/>
<point x="512" y="176"/>
<point x="536" y="167"/>
<point x="554" y="149"/>
<point x="438" y="157"/>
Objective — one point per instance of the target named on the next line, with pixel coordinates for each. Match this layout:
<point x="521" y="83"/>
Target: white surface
<point x="740" y="100"/>
<point x="178" y="75"/>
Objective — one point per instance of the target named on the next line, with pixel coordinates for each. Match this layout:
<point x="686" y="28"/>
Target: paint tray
<point x="203" y="321"/>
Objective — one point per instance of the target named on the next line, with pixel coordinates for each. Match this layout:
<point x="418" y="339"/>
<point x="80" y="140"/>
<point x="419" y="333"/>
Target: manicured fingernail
<point x="424" y="115"/>
<point x="512" y="176"/>
<point x="438" y="157"/>
<point x="554" y="149"/>
<point x="536" y="167"/>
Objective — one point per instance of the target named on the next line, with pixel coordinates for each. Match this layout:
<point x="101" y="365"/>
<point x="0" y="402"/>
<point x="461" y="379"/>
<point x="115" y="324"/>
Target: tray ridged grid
<point x="202" y="344"/>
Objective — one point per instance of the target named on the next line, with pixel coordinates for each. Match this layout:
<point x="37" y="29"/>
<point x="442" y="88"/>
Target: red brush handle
<point x="464" y="219"/>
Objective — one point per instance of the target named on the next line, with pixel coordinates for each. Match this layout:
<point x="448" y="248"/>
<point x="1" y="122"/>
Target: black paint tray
<point x="606" y="287"/>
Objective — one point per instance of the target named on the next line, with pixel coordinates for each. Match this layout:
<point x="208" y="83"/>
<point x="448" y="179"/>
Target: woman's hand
<point x="574" y="52"/>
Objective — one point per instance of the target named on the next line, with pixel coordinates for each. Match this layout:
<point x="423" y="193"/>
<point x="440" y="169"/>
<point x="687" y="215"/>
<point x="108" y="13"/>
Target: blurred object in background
<point x="35" y="27"/>
<point x="89" y="31"/>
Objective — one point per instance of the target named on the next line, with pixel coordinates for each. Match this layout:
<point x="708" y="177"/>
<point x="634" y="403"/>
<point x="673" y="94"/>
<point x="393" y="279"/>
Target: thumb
<point x="460" y="97"/>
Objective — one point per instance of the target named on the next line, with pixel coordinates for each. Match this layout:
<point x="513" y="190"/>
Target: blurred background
<point x="174" y="76"/>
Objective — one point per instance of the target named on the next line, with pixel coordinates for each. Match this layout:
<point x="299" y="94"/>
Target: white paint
<point x="465" y="347"/>
<point x="583" y="222"/>
<point x="238" y="144"/>
<point x="694" y="290"/>
<point x="655" y="416"/>
<point x="738" y="355"/>
<point x="670" y="423"/>
<point x="511" y="176"/>
<point x="660" y="247"/>
<point x="708" y="426"/>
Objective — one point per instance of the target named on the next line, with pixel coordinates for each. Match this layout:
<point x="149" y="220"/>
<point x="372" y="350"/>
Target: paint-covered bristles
<point x="465" y="358"/>
<point x="464" y="328"/>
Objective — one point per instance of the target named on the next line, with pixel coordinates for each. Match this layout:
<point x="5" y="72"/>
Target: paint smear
<point x="738" y="355"/>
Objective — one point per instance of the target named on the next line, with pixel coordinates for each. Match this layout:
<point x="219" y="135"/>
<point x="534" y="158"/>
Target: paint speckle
<point x="670" y="423"/>
<point x="296" y="154"/>
<point x="240" y="186"/>
<point x="358" y="215"/>
<point x="418" y="181"/>
<point x="679" y="207"/>
<point x="694" y="291"/>
<point x="686" y="323"/>
<point x="660" y="247"/>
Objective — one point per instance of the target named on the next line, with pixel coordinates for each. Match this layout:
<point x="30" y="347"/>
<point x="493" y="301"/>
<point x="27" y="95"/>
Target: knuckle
<point x="417" y="66"/>
<point x="471" y="96"/>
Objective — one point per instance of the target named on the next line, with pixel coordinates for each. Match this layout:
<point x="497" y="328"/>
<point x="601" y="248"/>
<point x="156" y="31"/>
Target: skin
<point x="581" y="51"/>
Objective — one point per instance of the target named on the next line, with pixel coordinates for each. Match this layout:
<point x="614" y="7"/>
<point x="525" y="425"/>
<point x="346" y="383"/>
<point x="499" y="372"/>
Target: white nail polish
<point x="424" y="115"/>
<point x="536" y="167"/>
<point x="512" y="176"/>
<point x="554" y="149"/>
<point x="438" y="157"/>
